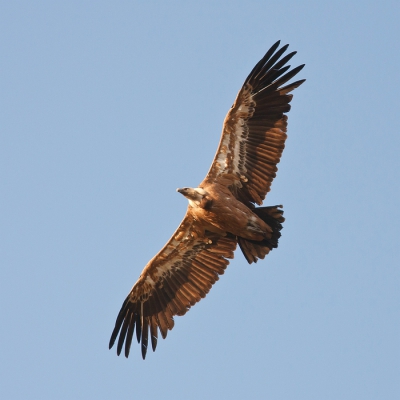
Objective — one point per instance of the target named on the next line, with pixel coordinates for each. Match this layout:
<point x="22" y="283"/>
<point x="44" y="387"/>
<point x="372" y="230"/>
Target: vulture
<point x="222" y="210"/>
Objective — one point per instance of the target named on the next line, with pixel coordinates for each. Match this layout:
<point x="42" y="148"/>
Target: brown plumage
<point x="221" y="211"/>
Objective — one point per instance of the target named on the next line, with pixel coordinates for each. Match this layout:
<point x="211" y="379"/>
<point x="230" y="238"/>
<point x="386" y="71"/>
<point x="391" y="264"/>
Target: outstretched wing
<point x="179" y="276"/>
<point x="254" y="131"/>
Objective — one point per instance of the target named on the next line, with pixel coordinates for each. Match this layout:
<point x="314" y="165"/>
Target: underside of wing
<point x="254" y="131"/>
<point x="179" y="276"/>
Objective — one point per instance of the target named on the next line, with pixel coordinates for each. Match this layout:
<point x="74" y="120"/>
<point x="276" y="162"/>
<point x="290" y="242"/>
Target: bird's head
<point x="194" y="195"/>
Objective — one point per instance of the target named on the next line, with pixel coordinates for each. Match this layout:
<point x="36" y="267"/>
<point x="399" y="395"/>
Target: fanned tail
<point x="252" y="249"/>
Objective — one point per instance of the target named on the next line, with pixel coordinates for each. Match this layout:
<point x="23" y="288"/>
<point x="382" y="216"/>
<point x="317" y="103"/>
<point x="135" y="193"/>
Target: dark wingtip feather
<point x="144" y="351"/>
<point x="284" y="60"/>
<point x="153" y="335"/>
<point x="300" y="67"/>
<point x="285" y="78"/>
<point x="138" y="327"/>
<point x="288" y="88"/>
<point x="271" y="50"/>
<point x="113" y="336"/>
<point x="284" y="48"/>
<point x="265" y="64"/>
<point x="145" y="335"/>
<point x="129" y="335"/>
<point x="153" y="342"/>
<point x="257" y="68"/>
<point x="122" y="334"/>
<point x="118" y="323"/>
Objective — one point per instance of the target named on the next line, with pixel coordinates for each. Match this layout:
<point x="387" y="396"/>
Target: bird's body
<point x="221" y="213"/>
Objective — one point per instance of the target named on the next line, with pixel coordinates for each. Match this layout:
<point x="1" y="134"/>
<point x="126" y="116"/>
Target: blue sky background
<point x="108" y="107"/>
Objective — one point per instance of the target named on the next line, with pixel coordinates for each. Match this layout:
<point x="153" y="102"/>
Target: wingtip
<point x="127" y="350"/>
<point x="112" y="339"/>
<point x="144" y="352"/>
<point x="153" y="342"/>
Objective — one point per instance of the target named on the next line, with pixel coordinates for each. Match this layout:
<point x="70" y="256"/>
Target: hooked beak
<point x="180" y="190"/>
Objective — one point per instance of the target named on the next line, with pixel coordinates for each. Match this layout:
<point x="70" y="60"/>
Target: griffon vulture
<point x="221" y="211"/>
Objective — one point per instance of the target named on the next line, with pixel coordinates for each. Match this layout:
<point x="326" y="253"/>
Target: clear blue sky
<point x="106" y="108"/>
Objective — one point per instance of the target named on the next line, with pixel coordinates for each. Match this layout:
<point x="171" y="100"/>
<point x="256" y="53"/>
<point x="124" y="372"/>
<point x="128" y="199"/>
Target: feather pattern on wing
<point x="254" y="130"/>
<point x="179" y="276"/>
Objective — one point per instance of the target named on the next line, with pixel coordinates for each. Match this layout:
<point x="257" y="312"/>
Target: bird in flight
<point x="221" y="213"/>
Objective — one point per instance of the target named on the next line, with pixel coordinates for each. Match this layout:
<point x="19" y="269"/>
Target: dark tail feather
<point x="252" y="249"/>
